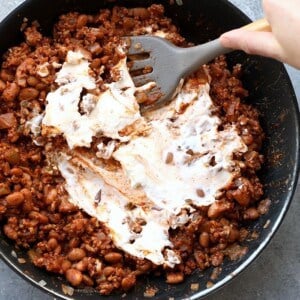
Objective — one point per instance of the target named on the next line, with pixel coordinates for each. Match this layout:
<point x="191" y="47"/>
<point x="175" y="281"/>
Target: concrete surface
<point x="275" y="275"/>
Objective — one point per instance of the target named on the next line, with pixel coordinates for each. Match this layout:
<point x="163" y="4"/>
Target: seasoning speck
<point x="195" y="287"/>
<point x="97" y="199"/>
<point x="21" y="260"/>
<point x="150" y="292"/>
<point x="267" y="224"/>
<point x="169" y="158"/>
<point x="67" y="290"/>
<point x="42" y="283"/>
<point x="138" y="46"/>
<point x="215" y="273"/>
<point x="200" y="193"/>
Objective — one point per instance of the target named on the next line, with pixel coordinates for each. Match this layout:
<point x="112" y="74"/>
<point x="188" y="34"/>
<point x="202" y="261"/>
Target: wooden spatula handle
<point x="258" y="25"/>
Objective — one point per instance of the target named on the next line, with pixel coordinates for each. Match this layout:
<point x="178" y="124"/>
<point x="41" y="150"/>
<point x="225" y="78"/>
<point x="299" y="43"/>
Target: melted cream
<point x="192" y="160"/>
<point x="109" y="205"/>
<point x="179" y="161"/>
<point x="105" y="114"/>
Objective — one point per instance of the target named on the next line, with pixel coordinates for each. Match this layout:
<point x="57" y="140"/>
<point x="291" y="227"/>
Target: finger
<point x="259" y="43"/>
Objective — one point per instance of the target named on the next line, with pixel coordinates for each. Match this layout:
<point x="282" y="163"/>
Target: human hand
<point x="283" y="43"/>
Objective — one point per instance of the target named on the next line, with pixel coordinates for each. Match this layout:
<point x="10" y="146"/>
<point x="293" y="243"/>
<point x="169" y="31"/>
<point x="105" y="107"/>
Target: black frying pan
<point x="270" y="90"/>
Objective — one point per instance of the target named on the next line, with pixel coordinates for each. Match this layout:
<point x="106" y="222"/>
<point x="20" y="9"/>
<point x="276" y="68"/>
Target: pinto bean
<point x="96" y="63"/>
<point x="11" y="92"/>
<point x="57" y="250"/>
<point x="104" y="59"/>
<point x="7" y="121"/>
<point x="66" y="265"/>
<point x="251" y="214"/>
<point x="66" y="206"/>
<point x="144" y="266"/>
<point x="77" y="225"/>
<point x="82" y="21"/>
<point x="4" y="189"/>
<point x="2" y="86"/>
<point x="42" y="219"/>
<point x="242" y="197"/>
<point x="6" y="75"/>
<point x="15" y="199"/>
<point x="74" y="277"/>
<point x="200" y="193"/>
<point x="16" y="172"/>
<point x="141" y="97"/>
<point x="204" y="239"/>
<point x="113" y="257"/>
<point x="40" y="86"/>
<point x="43" y="95"/>
<point x="76" y="254"/>
<point x="51" y="196"/>
<point x="10" y="232"/>
<point x="74" y="243"/>
<point x="82" y="265"/>
<point x="128" y="282"/>
<point x="234" y="235"/>
<point x="108" y="271"/>
<point x="28" y="94"/>
<point x="2" y="209"/>
<point x="87" y="280"/>
<point x="27" y="194"/>
<point x="248" y="139"/>
<point x="32" y="81"/>
<point x="12" y="156"/>
<point x="52" y="243"/>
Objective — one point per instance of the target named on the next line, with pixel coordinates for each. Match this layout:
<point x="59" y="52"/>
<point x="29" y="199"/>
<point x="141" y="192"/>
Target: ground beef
<point x="34" y="208"/>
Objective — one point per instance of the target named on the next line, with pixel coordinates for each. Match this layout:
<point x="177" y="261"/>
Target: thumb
<point x="259" y="43"/>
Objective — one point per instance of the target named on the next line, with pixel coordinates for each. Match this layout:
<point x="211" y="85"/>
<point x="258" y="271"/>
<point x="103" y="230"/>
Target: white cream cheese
<point x="89" y="191"/>
<point x="181" y="161"/>
<point x="112" y="110"/>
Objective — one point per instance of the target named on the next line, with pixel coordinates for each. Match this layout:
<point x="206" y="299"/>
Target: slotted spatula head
<point x="154" y="59"/>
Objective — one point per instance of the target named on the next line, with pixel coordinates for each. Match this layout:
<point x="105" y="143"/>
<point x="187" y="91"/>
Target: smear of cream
<point x="89" y="191"/>
<point x="105" y="114"/>
<point x="185" y="159"/>
<point x="181" y="161"/>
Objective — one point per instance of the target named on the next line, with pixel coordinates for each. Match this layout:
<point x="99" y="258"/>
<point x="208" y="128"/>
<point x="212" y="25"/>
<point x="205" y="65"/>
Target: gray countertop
<point x="274" y="275"/>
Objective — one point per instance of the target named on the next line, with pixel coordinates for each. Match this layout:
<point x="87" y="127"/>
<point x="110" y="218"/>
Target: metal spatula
<point x="167" y="64"/>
